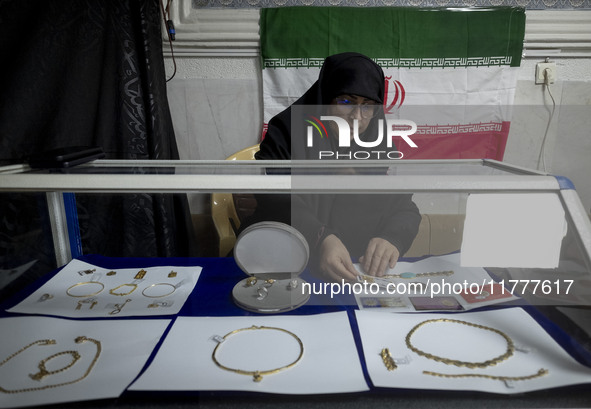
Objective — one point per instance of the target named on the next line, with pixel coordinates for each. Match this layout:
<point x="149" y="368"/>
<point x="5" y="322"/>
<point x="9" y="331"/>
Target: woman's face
<point x="351" y="107"/>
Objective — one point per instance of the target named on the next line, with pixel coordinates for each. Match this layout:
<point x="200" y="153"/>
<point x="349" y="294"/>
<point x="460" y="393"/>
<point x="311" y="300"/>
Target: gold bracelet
<point x="78" y="340"/>
<point x="491" y="362"/>
<point x="113" y="290"/>
<point x="257" y="376"/>
<point x="538" y="374"/>
<point x="85" y="283"/>
<point x="43" y="372"/>
<point x="156" y="285"/>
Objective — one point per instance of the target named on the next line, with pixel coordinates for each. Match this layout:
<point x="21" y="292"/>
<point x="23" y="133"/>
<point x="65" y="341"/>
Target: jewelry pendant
<point x="111" y="273"/>
<point x="91" y="301"/>
<point x="388" y="360"/>
<point x="172" y="274"/>
<point x="140" y="274"/>
<point x="251" y="281"/>
<point x="163" y="304"/>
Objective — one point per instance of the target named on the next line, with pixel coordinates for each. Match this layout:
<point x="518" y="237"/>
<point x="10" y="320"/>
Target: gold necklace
<point x="491" y="362"/>
<point x="43" y="371"/>
<point x="538" y="374"/>
<point x="257" y="376"/>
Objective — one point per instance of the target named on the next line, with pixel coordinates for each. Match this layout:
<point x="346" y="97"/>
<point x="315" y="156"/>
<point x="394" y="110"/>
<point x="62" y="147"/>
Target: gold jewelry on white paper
<point x="91" y="301"/>
<point x="257" y="376"/>
<point x="113" y="291"/>
<point x="119" y="307"/>
<point x="538" y="374"/>
<point x="69" y="290"/>
<point x="491" y="362"/>
<point x="388" y="360"/>
<point x="157" y="304"/>
<point x="43" y="371"/>
<point x="140" y="274"/>
<point x="172" y="274"/>
<point x="158" y="285"/>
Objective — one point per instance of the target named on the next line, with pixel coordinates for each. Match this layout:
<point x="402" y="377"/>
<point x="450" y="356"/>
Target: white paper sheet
<point x="535" y="350"/>
<point x="513" y="230"/>
<point x="82" y="290"/>
<point x="122" y="350"/>
<point x="466" y="288"/>
<point x="330" y="363"/>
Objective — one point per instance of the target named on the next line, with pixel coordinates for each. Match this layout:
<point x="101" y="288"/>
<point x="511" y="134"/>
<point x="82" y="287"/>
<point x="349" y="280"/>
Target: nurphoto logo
<point x="395" y="127"/>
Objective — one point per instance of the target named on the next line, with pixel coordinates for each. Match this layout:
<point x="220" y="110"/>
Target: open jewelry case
<point x="273" y="255"/>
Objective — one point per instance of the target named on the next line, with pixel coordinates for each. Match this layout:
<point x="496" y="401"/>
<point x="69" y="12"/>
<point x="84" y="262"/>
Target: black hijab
<point x="341" y="74"/>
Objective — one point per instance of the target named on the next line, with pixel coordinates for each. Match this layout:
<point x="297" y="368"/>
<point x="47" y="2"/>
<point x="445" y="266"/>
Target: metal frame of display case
<point x="19" y="178"/>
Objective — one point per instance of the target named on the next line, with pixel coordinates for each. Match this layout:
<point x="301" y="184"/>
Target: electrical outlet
<point x="543" y="69"/>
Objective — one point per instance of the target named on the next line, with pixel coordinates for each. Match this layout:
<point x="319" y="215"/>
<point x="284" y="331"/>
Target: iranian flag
<point x="451" y="71"/>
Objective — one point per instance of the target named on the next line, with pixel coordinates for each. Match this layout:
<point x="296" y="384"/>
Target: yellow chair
<point x="223" y="210"/>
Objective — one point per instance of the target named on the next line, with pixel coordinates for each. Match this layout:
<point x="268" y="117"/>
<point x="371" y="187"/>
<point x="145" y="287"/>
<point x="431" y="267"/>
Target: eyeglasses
<point x="346" y="107"/>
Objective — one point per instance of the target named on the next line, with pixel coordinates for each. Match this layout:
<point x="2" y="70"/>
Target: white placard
<point x="82" y="290"/>
<point x="535" y="350"/>
<point x="104" y="363"/>
<point x="330" y="362"/>
<point x="513" y="230"/>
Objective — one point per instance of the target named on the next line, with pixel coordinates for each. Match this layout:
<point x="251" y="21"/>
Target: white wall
<point x="216" y="109"/>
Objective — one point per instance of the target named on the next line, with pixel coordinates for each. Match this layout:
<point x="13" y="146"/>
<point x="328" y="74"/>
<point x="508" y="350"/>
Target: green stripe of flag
<point x="396" y="37"/>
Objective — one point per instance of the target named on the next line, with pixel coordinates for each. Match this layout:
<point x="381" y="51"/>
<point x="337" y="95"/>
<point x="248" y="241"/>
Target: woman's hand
<point x="379" y="255"/>
<point x="335" y="260"/>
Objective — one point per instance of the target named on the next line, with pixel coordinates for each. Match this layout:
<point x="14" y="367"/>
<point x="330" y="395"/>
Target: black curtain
<point x="87" y="72"/>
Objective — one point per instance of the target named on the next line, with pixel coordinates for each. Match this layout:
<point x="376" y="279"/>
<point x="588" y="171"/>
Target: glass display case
<point x="486" y="236"/>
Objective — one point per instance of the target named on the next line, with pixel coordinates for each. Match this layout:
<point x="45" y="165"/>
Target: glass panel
<point x="26" y="245"/>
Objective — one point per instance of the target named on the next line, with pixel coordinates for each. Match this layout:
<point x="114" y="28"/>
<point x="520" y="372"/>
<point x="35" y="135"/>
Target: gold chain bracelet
<point x="257" y="376"/>
<point x="538" y="374"/>
<point x="43" y="372"/>
<point x="491" y="362"/>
